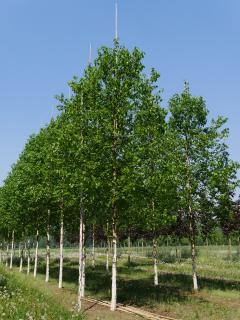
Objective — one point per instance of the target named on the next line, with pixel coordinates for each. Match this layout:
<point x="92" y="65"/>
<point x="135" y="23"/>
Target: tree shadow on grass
<point x="135" y="285"/>
<point x="185" y="282"/>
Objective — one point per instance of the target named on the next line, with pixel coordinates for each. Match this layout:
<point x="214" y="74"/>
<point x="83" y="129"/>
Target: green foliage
<point x="113" y="145"/>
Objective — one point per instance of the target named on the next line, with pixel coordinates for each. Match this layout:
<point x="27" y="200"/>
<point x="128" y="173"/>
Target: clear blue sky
<point x="45" y="42"/>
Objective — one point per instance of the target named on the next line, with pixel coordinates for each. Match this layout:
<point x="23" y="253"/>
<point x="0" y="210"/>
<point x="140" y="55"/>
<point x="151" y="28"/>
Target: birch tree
<point x="199" y="145"/>
<point x="117" y="92"/>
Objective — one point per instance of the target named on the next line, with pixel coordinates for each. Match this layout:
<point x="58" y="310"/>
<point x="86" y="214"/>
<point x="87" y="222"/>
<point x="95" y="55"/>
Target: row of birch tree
<point x="115" y="159"/>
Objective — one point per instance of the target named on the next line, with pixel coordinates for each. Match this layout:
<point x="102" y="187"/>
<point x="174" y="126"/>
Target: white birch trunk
<point x="93" y="247"/>
<point x="107" y="256"/>
<point x="84" y="262"/>
<point x="48" y="254"/>
<point x="36" y="255"/>
<point x="195" y="284"/>
<point x="21" y="258"/>
<point x="25" y="250"/>
<point x="28" y="257"/>
<point x="193" y="253"/>
<point x="114" y="274"/>
<point x="114" y="214"/>
<point x="7" y="252"/>
<point x="61" y="256"/>
<point x="129" y="249"/>
<point x="155" y="267"/>
<point x="2" y="252"/>
<point x="79" y="301"/>
<point x="12" y="248"/>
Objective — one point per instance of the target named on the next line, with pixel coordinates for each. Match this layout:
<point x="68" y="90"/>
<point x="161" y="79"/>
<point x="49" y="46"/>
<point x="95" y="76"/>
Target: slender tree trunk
<point x="60" y="281"/>
<point x="191" y="222"/>
<point x="155" y="262"/>
<point x="25" y="250"/>
<point x="21" y="257"/>
<point x="48" y="251"/>
<point x="193" y="250"/>
<point x="114" y="210"/>
<point x="28" y="257"/>
<point x="129" y="249"/>
<point x="12" y="248"/>
<point x="36" y="255"/>
<point x="207" y="242"/>
<point x="93" y="247"/>
<point x="84" y="263"/>
<point x="80" y="274"/>
<point x="142" y="247"/>
<point x="114" y="261"/>
<point x="2" y="253"/>
<point x="107" y="255"/>
<point x="238" y="240"/>
<point x="7" y="253"/>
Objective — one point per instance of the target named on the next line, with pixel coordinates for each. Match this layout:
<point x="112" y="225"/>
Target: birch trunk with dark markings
<point x="48" y="250"/>
<point x="114" y="220"/>
<point x="114" y="262"/>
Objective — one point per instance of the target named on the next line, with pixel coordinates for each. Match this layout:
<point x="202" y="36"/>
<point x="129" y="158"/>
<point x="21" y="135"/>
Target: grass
<point x="20" y="301"/>
<point x="219" y="282"/>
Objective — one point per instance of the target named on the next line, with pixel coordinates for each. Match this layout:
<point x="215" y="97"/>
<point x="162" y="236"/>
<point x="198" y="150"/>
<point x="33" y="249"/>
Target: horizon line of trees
<point x="115" y="160"/>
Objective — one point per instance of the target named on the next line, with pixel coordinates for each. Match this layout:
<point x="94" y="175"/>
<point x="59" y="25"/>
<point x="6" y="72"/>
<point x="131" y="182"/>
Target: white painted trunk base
<point x="83" y="263"/>
<point x="7" y="252"/>
<point x="114" y="275"/>
<point x="28" y="257"/>
<point x="194" y="269"/>
<point x="93" y="248"/>
<point x="80" y="263"/>
<point x="36" y="255"/>
<point x="47" y="255"/>
<point x="107" y="258"/>
<point x="21" y="264"/>
<point x="60" y="281"/>
<point x="28" y="264"/>
<point x="155" y="272"/>
<point x="21" y="259"/>
<point x="12" y="249"/>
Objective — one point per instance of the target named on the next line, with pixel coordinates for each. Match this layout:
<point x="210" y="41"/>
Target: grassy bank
<point x="20" y="301"/>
